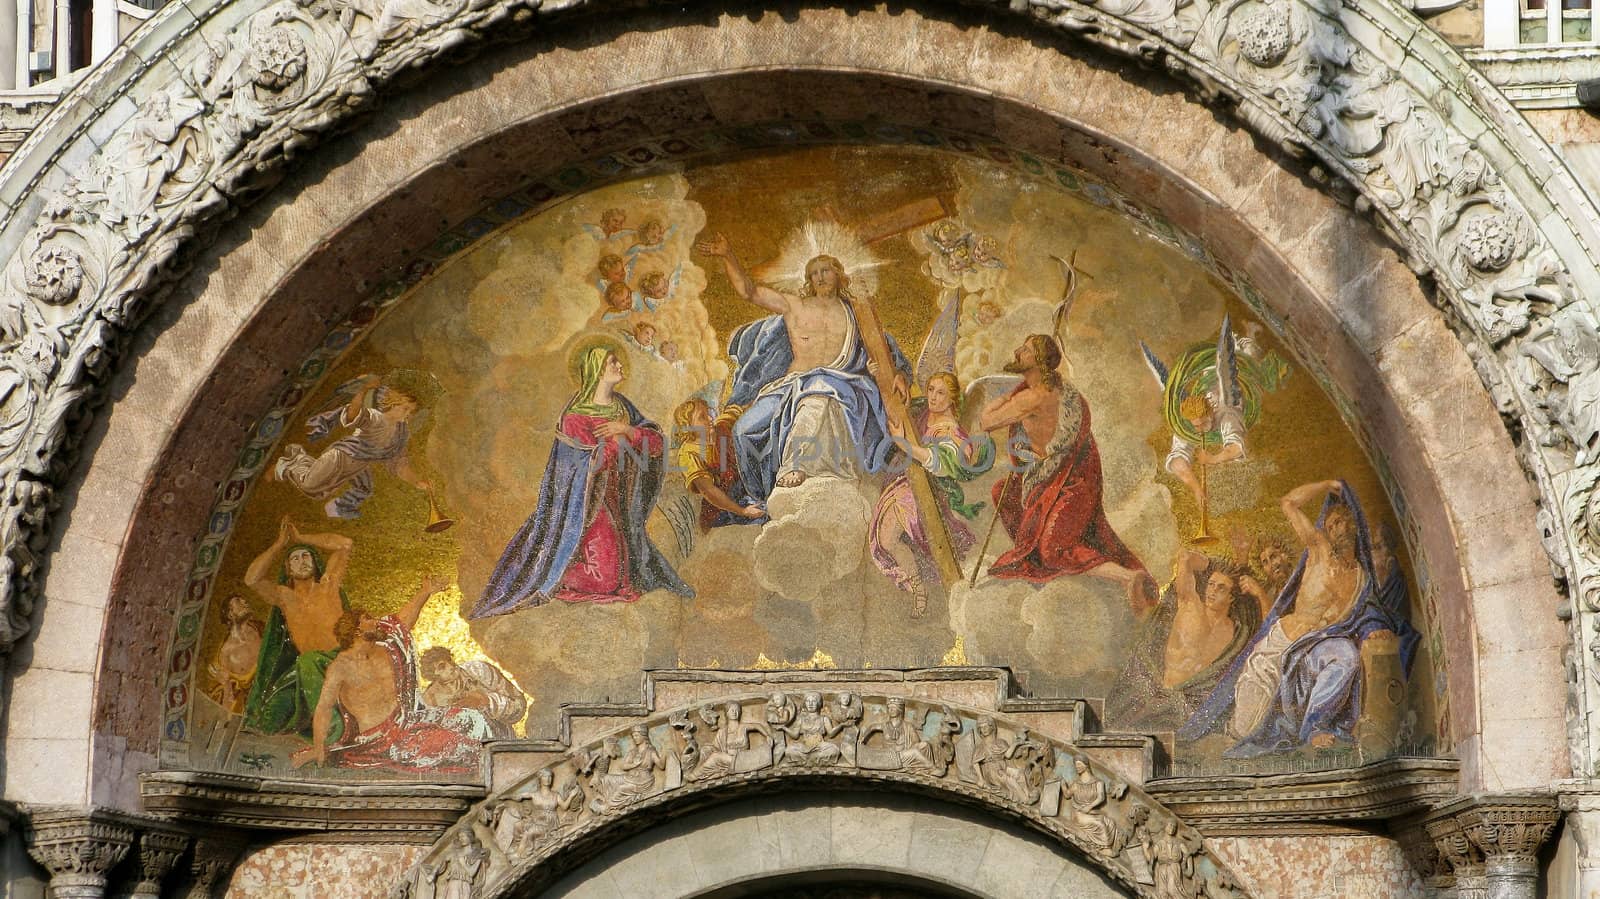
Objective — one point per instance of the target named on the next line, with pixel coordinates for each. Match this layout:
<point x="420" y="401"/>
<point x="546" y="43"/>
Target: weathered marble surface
<point x="314" y="870"/>
<point x="1321" y="867"/>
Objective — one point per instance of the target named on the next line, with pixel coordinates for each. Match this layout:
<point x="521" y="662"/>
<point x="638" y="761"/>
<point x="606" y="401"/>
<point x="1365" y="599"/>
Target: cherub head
<point x="612" y="268"/>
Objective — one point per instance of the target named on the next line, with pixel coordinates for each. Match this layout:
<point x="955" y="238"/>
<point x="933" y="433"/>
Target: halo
<point x="582" y="347"/>
<point x="825" y="238"/>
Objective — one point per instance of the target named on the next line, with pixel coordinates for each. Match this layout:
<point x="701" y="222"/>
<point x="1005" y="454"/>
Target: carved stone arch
<point x="293" y="241"/>
<point x="523" y="838"/>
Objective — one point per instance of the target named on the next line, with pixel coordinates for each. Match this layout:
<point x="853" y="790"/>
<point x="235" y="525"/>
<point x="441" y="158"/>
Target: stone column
<point x="1509" y="831"/>
<point x="78" y="847"/>
<point x="158" y="852"/>
<point x="1492" y="842"/>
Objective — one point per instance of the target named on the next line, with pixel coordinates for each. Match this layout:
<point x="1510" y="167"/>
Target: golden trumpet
<point x="437" y="520"/>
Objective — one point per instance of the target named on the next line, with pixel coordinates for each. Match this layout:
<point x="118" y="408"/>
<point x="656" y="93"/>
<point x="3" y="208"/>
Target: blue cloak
<point x="761" y="354"/>
<point x="534" y="562"/>
<point x="1319" y="685"/>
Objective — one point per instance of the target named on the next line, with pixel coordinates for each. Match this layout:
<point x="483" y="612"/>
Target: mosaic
<point x="834" y="404"/>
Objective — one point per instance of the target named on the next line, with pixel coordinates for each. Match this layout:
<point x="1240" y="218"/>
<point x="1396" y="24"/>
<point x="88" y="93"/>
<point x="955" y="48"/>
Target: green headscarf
<point x="593" y="366"/>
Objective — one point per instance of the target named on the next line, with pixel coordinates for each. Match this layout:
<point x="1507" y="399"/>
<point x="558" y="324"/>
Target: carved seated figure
<point x="729" y="750"/>
<point x="1087" y="796"/>
<point x="543" y="812"/>
<point x="811" y="737"/>
<point x="902" y="747"/>
<point x="618" y="779"/>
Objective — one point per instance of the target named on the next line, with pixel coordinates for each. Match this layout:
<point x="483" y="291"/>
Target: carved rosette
<point x="78" y="848"/>
<point x="764" y="741"/>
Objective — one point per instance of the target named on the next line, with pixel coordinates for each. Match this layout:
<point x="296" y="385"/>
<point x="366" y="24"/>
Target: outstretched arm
<point x="1299" y="496"/>
<point x="1004" y="412"/>
<point x="743" y="284"/>
<point x="358" y="400"/>
<point x="432" y="584"/>
<point x="257" y="577"/>
<point x="717" y="497"/>
<point x="337" y="546"/>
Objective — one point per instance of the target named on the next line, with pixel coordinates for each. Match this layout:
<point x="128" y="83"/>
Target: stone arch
<point x="915" y="843"/>
<point x="521" y="839"/>
<point x="295" y="234"/>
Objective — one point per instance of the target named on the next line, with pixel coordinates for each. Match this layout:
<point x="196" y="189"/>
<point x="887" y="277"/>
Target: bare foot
<point x="1322" y="741"/>
<point x="919" y="600"/>
<point x="792" y="478"/>
<point x="1143" y="592"/>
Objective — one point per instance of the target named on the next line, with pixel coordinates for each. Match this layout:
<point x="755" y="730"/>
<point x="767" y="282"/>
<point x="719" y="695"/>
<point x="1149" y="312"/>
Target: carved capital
<point x="1463" y="857"/>
<point x="1509" y="830"/>
<point x="1423" y="853"/>
<point x="78" y="847"/>
<point x="1492" y="842"/>
<point x="215" y="854"/>
<point x="158" y="852"/>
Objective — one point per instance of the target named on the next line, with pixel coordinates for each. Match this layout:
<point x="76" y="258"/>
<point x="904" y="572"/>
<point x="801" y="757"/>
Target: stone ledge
<point x="364" y="812"/>
<point x="1538" y="77"/>
<point x="1311" y="803"/>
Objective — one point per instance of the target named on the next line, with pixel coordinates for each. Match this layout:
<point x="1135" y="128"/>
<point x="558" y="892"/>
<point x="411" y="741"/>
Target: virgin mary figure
<point x="586" y="541"/>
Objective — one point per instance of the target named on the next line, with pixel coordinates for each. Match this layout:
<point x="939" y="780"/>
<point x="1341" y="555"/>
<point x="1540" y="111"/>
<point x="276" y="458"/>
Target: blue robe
<point x="762" y="356"/>
<point x="1320" y="681"/>
<point x="532" y="566"/>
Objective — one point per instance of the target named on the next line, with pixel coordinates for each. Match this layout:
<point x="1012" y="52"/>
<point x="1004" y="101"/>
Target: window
<point x="1556" y="22"/>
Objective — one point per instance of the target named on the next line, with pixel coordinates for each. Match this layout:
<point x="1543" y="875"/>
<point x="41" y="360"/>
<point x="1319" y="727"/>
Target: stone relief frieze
<point x="1427" y="148"/>
<point x="728" y="744"/>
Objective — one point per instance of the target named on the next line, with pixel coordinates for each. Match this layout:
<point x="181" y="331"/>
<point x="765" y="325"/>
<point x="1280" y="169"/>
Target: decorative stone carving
<point x="1509" y="831"/>
<point x="78" y="847"/>
<point x="1425" y="858"/>
<point x="216" y="852"/>
<point x="616" y="778"/>
<point x="1462" y="855"/>
<point x="1265" y="35"/>
<point x="458" y="875"/>
<point x="1172" y="861"/>
<point x="814" y="739"/>
<point x="894" y="741"/>
<point x="1492" y="842"/>
<point x="158" y="852"/>
<point x="1136" y="841"/>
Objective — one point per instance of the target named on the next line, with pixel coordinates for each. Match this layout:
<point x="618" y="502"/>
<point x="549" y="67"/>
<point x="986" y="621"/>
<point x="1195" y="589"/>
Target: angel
<point x="1211" y="398"/>
<point x="610" y="227"/>
<point x="657" y="287"/>
<point x="951" y="456"/>
<point x="378" y="418"/>
<point x="650" y="238"/>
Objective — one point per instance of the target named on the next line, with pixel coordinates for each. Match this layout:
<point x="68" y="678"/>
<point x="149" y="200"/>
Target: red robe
<point x="1053" y="511"/>
<point x="598" y="570"/>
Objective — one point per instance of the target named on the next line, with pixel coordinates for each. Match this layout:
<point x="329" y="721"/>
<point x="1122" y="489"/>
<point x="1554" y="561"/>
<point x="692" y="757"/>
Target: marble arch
<point x="1347" y="301"/>
<point x="106" y="267"/>
<point x="1101" y="838"/>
